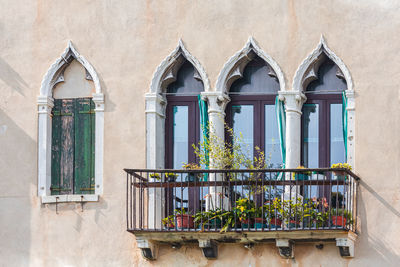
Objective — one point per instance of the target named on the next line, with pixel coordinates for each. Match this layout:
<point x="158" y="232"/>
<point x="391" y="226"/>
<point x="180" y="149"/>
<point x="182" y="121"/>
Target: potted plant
<point x="184" y="220"/>
<point x="212" y="219"/>
<point x="156" y="176"/>
<point x="192" y="176"/>
<point x="276" y="211"/>
<point x="170" y="177"/>
<point x="302" y="175"/>
<point x="341" y="217"/>
<point x="169" y="222"/>
<point x="245" y="210"/>
<point x="294" y="212"/>
<point x="339" y="174"/>
<point x="260" y="214"/>
<point x="316" y="212"/>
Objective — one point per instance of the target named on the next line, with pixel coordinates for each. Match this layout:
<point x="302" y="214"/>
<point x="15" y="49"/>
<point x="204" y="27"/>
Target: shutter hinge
<point x="58" y="113"/>
<point x="87" y="112"/>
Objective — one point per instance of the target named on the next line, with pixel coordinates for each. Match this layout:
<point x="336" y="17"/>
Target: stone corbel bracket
<point x="286" y="248"/>
<point x="346" y="247"/>
<point x="209" y="248"/>
<point x="149" y="249"/>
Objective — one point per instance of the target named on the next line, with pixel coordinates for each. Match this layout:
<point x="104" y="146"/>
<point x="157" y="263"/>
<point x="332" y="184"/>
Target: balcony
<point x="242" y="206"/>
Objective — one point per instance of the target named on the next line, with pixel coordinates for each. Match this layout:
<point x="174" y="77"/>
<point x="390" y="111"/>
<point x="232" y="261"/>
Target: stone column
<point x="98" y="100"/>
<point x="45" y="105"/>
<point x="217" y="102"/>
<point x="294" y="101"/>
<point x="350" y="127"/>
<point x="155" y="153"/>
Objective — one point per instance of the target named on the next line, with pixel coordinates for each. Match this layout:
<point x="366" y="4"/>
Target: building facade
<point x="90" y="88"/>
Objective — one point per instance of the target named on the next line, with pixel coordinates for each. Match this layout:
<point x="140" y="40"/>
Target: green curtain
<point x="344" y="121"/>
<point x="204" y="128"/>
<point x="281" y="118"/>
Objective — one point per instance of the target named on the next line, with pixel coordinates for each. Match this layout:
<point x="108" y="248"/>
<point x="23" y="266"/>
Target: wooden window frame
<point x="193" y="138"/>
<point x="324" y="101"/>
<point x="258" y="102"/>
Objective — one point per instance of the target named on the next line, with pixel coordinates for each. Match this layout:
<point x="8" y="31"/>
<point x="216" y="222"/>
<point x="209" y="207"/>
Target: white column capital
<point x="294" y="100"/>
<point x="217" y="102"/>
<point x="45" y="104"/>
<point x="155" y="103"/>
<point x="98" y="99"/>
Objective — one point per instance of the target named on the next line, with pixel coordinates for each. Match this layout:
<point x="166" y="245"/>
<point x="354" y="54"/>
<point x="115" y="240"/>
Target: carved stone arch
<point x="166" y="72"/>
<point x="55" y="73"/>
<point x="307" y="72"/>
<point x="53" y="76"/>
<point x="233" y="68"/>
<point x="308" y="69"/>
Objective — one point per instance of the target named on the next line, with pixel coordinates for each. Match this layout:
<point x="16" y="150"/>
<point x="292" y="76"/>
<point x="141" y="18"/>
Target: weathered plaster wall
<point x="125" y="41"/>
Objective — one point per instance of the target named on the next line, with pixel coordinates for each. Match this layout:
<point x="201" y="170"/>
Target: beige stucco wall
<point x="125" y="41"/>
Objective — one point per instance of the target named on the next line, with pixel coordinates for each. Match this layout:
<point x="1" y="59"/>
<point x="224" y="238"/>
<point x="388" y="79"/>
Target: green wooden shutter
<point x="84" y="146"/>
<point x="62" y="164"/>
<point x="56" y="147"/>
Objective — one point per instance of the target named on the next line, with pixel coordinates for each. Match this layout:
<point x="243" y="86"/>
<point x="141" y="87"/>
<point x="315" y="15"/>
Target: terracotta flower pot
<point x="294" y="224"/>
<point x="246" y="223"/>
<point x="275" y="223"/>
<point x="259" y="223"/>
<point x="169" y="226"/>
<point x="185" y="221"/>
<point x="338" y="220"/>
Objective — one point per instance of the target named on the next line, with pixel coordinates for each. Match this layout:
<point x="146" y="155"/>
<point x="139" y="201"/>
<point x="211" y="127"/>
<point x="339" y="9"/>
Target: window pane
<point x="310" y="135"/>
<point x="273" y="153"/>
<point x="180" y="151"/>
<point x="336" y="134"/>
<point x="242" y="121"/>
<point x="180" y="136"/>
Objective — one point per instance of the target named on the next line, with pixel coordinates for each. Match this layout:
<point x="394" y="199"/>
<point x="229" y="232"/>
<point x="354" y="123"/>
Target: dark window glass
<point x="311" y="135"/>
<point x="322" y="125"/>
<point x="242" y="122"/>
<point x="272" y="143"/>
<point x="337" y="153"/>
<point x="251" y="112"/>
<point x="182" y="127"/>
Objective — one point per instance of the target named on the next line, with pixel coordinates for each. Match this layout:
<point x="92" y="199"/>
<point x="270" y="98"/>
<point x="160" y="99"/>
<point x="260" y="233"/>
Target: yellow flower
<point x="241" y="209"/>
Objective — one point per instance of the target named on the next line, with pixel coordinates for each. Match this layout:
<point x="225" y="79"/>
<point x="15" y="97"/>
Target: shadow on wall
<point x="374" y="244"/>
<point x="17" y="179"/>
<point x="10" y="77"/>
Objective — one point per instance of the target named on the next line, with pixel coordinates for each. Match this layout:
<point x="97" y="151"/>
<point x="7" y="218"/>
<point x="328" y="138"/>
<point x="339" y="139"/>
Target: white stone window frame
<point x="307" y="71"/>
<point x="45" y="102"/>
<point x="231" y="71"/>
<point x="156" y="103"/>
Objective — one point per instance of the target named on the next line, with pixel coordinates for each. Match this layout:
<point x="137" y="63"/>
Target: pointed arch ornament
<point x="156" y="103"/>
<point x="308" y="71"/>
<point x="45" y="102"/>
<point x="165" y="74"/>
<point x="234" y="67"/>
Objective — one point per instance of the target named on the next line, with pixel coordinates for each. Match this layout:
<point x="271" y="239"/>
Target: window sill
<point x="70" y="198"/>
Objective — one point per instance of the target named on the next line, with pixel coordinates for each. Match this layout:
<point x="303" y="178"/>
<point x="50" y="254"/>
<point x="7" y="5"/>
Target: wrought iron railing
<point x="241" y="200"/>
